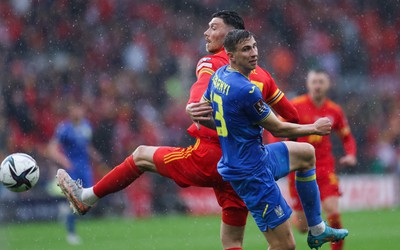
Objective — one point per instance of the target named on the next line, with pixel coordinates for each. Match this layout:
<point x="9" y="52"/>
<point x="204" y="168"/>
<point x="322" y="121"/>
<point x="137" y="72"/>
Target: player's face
<point x="76" y="113"/>
<point x="215" y="34"/>
<point x="317" y="85"/>
<point x="245" y="57"/>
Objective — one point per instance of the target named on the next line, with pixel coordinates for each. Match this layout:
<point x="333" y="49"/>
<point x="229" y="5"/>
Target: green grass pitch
<point x="378" y="229"/>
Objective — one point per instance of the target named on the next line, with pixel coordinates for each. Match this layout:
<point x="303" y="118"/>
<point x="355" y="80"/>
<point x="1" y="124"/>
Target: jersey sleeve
<point x="276" y="99"/>
<point x="254" y="105"/>
<point x="198" y="88"/>
<point x="204" y="70"/>
<point x="343" y="130"/>
<point x="207" y="93"/>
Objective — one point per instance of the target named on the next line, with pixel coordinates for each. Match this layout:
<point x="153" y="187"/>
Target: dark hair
<point x="234" y="37"/>
<point x="230" y="18"/>
<point x="320" y="71"/>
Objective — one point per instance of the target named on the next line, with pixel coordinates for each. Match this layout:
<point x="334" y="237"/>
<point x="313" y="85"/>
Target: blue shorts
<point x="261" y="193"/>
<point x="278" y="159"/>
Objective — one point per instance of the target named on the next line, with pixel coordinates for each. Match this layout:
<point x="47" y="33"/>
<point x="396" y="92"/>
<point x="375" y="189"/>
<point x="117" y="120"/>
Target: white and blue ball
<point x="19" y="172"/>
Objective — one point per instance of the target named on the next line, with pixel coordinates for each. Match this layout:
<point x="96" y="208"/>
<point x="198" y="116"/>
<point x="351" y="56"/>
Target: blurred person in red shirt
<point x="195" y="165"/>
<point x="311" y="106"/>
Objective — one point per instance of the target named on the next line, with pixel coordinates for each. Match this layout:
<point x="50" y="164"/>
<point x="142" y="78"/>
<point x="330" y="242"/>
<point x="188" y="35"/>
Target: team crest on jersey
<point x="260" y="106"/>
<point x="279" y="211"/>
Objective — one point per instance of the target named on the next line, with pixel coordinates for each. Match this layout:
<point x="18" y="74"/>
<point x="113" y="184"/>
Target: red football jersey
<point x="309" y="113"/>
<point x="260" y="77"/>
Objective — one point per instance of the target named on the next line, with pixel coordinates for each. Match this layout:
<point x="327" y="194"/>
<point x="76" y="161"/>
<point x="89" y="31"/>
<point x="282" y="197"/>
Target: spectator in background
<point x="312" y="106"/>
<point x="71" y="148"/>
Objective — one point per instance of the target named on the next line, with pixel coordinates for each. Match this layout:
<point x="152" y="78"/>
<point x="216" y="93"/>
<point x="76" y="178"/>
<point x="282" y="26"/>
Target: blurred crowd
<point x="131" y="63"/>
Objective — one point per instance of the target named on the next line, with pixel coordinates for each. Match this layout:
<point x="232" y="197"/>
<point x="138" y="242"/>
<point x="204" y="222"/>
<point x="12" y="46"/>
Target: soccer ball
<point x="19" y="172"/>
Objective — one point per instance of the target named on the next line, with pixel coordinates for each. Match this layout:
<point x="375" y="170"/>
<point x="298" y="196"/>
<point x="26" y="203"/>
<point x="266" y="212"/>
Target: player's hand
<point x="200" y="111"/>
<point x="323" y="126"/>
<point x="348" y="160"/>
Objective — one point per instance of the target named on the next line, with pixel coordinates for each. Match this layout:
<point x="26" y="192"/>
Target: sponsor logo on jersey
<point x="260" y="106"/>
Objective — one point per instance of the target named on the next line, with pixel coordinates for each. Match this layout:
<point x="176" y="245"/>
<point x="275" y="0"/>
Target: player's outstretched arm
<point x="278" y="128"/>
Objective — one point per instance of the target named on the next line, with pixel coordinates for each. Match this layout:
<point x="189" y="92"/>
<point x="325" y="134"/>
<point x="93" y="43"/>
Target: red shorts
<point x="328" y="184"/>
<point x="196" y="165"/>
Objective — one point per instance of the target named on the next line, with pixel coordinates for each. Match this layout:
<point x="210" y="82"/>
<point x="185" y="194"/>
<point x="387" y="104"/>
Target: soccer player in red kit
<point x="195" y="165"/>
<point x="310" y="107"/>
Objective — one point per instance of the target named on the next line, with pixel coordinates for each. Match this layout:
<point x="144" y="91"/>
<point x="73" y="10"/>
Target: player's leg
<point x="280" y="237"/>
<point x="329" y="188"/>
<point x="267" y="206"/>
<point x="298" y="217"/>
<point x="231" y="236"/>
<point x="302" y="160"/>
<point x="234" y="216"/>
<point x="117" y="179"/>
<point x="86" y="177"/>
<point x="122" y="175"/>
<point x="330" y="206"/>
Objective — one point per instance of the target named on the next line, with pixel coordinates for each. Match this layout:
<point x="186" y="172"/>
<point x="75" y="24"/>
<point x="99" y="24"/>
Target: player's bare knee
<point x="139" y="157"/>
<point x="308" y="156"/>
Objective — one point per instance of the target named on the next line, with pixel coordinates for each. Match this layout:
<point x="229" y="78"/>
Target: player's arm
<point x="258" y="111"/>
<point x="54" y="153"/>
<point x="204" y="70"/>
<point x="348" y="141"/>
<point x="286" y="129"/>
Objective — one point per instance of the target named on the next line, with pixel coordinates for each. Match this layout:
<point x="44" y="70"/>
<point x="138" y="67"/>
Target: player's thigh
<point x="281" y="237"/>
<point x="234" y="211"/>
<point x="278" y="159"/>
<point x="301" y="155"/>
<point x="263" y="199"/>
<point x="195" y="165"/>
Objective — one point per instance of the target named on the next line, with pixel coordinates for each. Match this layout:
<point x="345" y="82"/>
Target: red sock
<point x="118" y="178"/>
<point x="234" y="248"/>
<point x="335" y="222"/>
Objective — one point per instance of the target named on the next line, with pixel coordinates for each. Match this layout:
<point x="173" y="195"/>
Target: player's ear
<point x="230" y="56"/>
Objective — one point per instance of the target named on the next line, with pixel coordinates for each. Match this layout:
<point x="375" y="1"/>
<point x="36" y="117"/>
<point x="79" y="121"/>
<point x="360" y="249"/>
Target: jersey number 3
<point x="219" y="116"/>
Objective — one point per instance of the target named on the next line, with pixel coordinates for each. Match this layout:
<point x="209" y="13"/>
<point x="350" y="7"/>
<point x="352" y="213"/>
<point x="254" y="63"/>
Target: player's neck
<point x="318" y="101"/>
<point x="244" y="72"/>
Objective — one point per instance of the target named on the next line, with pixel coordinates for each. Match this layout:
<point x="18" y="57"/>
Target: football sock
<point x="88" y="197"/>
<point x="118" y="178"/>
<point x="234" y="248"/>
<point x="318" y="229"/>
<point x="307" y="188"/>
<point x="335" y="221"/>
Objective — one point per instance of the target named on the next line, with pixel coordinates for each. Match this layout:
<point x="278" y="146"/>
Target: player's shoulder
<point x="212" y="61"/>
<point x="63" y="127"/>
<point x="333" y="105"/>
<point x="299" y="99"/>
<point x="260" y="74"/>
